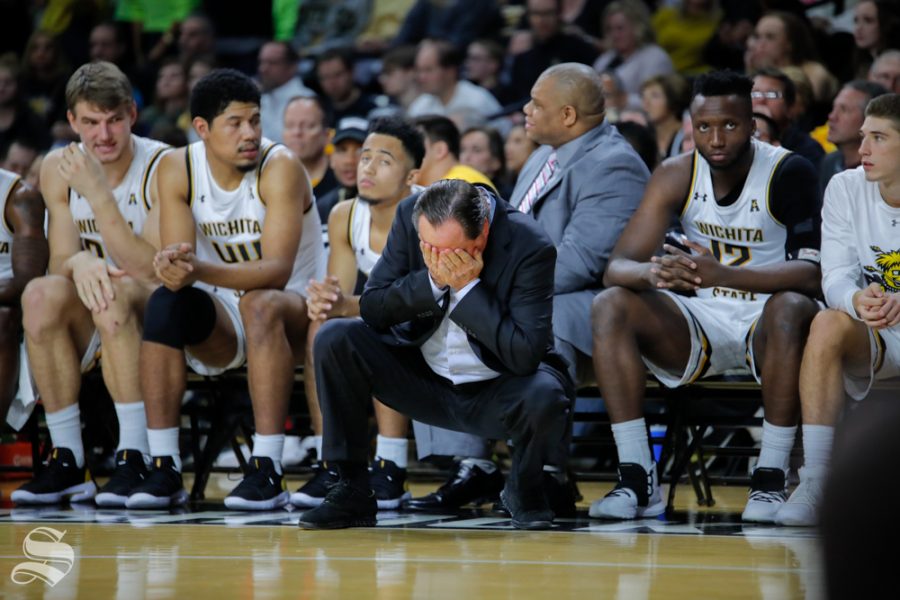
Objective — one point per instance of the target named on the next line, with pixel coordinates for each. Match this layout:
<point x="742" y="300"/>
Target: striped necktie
<point x="539" y="183"/>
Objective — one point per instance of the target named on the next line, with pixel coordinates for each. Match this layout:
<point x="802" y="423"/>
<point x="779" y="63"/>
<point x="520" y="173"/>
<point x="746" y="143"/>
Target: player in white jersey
<point x="103" y="234"/>
<point x="23" y="256"/>
<point x="750" y="263"/>
<point x="857" y="340"/>
<point x="240" y="239"/>
<point x="357" y="232"/>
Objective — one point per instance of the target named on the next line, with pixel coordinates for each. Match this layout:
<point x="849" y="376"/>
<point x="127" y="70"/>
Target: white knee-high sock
<point x="269" y="446"/>
<point x="132" y="427"/>
<point x="776" y="446"/>
<point x="164" y="442"/>
<point x="817" y="440"/>
<point x="393" y="449"/>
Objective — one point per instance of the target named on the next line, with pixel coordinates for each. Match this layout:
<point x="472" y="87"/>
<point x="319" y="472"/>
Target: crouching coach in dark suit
<point x="455" y="332"/>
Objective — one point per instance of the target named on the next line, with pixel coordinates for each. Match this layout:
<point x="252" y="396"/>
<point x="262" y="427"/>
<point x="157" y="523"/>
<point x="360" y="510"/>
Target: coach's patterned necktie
<point x="539" y="183"/>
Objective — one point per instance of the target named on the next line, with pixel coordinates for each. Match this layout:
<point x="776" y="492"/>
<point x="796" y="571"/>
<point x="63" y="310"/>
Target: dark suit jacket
<point x="507" y="316"/>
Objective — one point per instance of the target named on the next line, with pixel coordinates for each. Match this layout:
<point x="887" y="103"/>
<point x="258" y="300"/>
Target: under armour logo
<point x="202" y="198"/>
<point x="132" y="200"/>
<point x="893" y="222"/>
<point x="754" y="206"/>
<point x="697" y="196"/>
<point x="43" y="546"/>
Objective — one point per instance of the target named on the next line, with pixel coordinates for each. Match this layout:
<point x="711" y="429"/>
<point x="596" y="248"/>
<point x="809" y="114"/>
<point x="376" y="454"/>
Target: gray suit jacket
<point x="584" y="207"/>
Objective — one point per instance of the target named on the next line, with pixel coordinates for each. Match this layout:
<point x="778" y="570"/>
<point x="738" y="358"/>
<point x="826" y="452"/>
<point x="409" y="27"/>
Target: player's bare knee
<point x="43" y="301"/>
<point x="610" y="308"/>
<point x="830" y="329"/>
<point x="260" y="312"/>
<point x="789" y="314"/>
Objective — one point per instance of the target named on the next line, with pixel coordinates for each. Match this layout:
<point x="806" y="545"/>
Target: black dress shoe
<point x="345" y="505"/>
<point x="469" y="484"/>
<point x="527" y="508"/>
<point x="561" y="496"/>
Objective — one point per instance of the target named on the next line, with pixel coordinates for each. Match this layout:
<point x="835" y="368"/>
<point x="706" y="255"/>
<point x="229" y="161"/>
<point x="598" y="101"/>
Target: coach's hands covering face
<point x="176" y="266"/>
<point x="82" y="172"/>
<point x="451" y="267"/>
<point x="680" y="271"/>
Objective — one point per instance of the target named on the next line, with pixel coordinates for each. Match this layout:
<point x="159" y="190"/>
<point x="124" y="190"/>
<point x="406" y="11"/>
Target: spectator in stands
<point x="550" y="45"/>
<point x="876" y="28"/>
<point x="632" y="56"/>
<point x="17" y="120"/>
<point x="766" y="129"/>
<point x="595" y="185"/>
<point x="240" y="220"/>
<point x="886" y="70"/>
<point x="358" y="231"/>
<point x="750" y="258"/>
<point x="643" y="141"/>
<point x="334" y="72"/>
<point x="398" y="77"/>
<point x="100" y="196"/>
<point x="856" y="341"/>
<point x="344" y="162"/>
<point x="844" y="124"/>
<point x="664" y="99"/>
<point x="19" y="156"/>
<point x="781" y="39"/>
<point x="684" y="29"/>
<point x="196" y="38"/>
<point x="444" y="93"/>
<point x="516" y="150"/>
<point x="277" y="71"/>
<point x="23" y="256"/>
<point x="456" y="21"/>
<point x="774" y="94"/>
<point x="482" y="149"/>
<point x="505" y="381"/>
<point x="442" y="150"/>
<point x="170" y="101"/>
<point x="484" y="61"/>
<point x="43" y="82"/>
<point x="323" y="24"/>
<point x="306" y="133"/>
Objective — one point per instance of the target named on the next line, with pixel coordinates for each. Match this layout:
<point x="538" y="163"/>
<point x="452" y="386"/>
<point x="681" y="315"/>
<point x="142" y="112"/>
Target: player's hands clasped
<point x="324" y="299"/>
<point x="176" y="266"/>
<point x="677" y="270"/>
<point x="877" y="309"/>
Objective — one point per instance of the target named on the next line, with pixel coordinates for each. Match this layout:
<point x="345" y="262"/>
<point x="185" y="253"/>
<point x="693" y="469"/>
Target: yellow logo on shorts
<point x="887" y="269"/>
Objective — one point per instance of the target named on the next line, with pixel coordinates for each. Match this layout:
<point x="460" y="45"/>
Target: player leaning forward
<point x="240" y="240"/>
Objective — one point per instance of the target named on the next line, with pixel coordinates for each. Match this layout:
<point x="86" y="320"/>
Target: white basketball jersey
<point x="743" y="234"/>
<point x="230" y="223"/>
<point x="8" y="181"/>
<point x="132" y="196"/>
<point x="360" y="225"/>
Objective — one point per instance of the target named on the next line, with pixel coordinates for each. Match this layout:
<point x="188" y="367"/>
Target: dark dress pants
<point x="353" y="364"/>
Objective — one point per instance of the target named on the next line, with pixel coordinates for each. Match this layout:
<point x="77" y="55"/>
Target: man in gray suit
<point x="582" y="185"/>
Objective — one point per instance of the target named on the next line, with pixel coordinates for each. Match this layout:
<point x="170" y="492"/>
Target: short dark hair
<point x="406" y="132"/>
<point x="448" y="55"/>
<point x="886" y="106"/>
<point x="676" y="90"/>
<point x="401" y="57"/>
<point x="453" y="199"/>
<point x="343" y="54"/>
<point x="724" y="83"/>
<point x="290" y="55"/>
<point x="217" y="89"/>
<point x="440" y="129"/>
<point x="789" y="87"/>
<point x="871" y="89"/>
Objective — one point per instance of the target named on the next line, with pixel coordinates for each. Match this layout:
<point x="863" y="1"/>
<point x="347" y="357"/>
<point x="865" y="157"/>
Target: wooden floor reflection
<point x="179" y="560"/>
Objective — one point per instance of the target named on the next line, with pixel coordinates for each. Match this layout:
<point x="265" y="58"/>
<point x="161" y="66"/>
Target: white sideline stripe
<point x="458" y="561"/>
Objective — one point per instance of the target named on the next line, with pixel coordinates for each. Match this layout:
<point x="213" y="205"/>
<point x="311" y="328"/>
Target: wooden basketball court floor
<point x="209" y="552"/>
